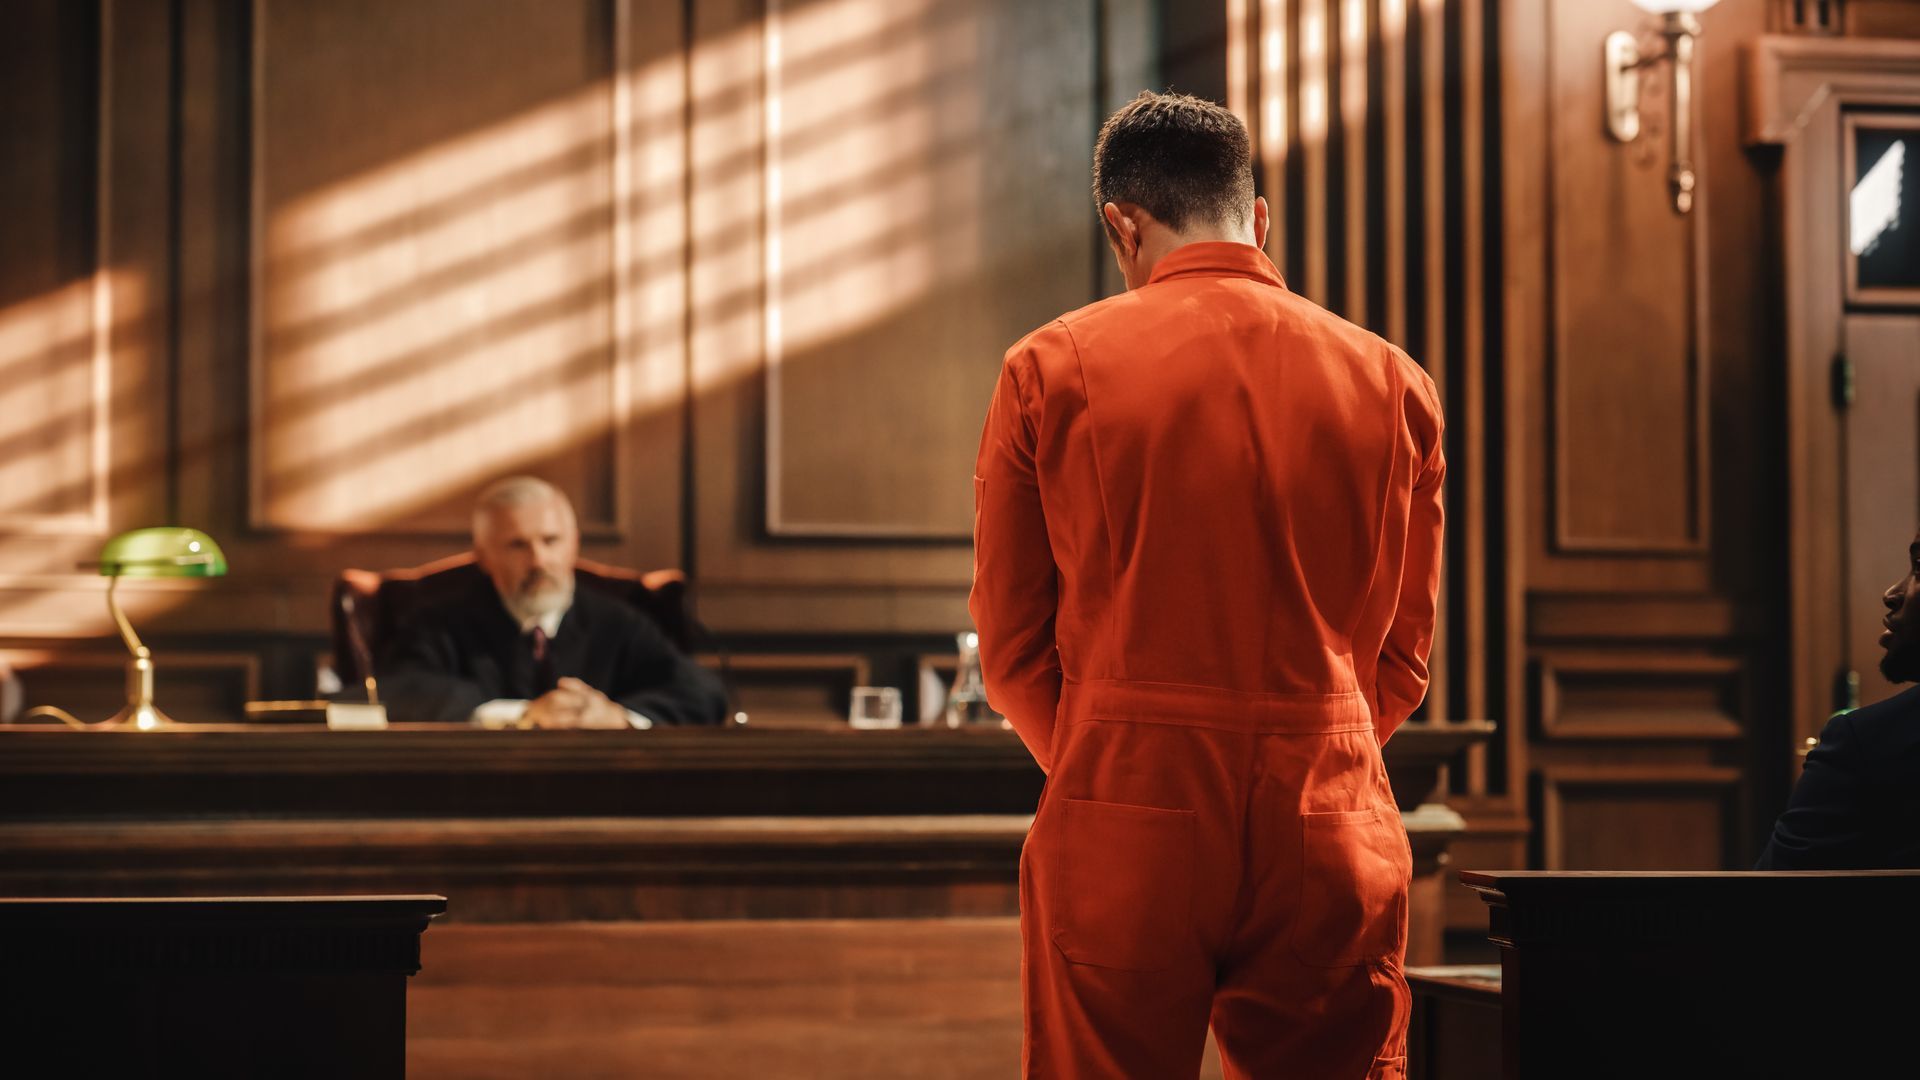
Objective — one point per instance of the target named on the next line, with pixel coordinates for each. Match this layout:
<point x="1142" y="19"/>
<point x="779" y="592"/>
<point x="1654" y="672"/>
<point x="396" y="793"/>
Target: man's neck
<point x="1159" y="242"/>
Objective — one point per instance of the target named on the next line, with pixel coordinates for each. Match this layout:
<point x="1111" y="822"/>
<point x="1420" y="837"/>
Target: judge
<point x="523" y="644"/>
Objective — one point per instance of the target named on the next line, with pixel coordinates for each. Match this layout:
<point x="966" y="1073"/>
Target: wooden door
<point x="1882" y="480"/>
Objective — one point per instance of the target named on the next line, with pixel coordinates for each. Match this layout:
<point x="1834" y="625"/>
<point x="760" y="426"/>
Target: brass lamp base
<point x="139" y="716"/>
<point x="139" y="713"/>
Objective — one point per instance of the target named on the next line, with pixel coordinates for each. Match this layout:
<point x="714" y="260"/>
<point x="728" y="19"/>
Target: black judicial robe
<point x="454" y="655"/>
<point x="1857" y="803"/>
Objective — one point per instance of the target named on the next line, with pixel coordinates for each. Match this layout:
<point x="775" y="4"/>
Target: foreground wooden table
<point x="228" y="987"/>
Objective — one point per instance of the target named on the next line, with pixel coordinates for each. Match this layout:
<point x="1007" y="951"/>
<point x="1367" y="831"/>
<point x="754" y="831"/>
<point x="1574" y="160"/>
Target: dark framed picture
<point x="1883" y="208"/>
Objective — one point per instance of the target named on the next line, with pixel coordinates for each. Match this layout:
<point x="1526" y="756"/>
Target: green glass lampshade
<point x="169" y="551"/>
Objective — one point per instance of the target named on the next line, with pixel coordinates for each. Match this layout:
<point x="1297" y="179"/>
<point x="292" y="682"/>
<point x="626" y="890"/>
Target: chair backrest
<point x="382" y="601"/>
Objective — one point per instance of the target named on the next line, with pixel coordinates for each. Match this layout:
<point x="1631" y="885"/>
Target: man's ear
<point x="1122" y="232"/>
<point x="1260" y="222"/>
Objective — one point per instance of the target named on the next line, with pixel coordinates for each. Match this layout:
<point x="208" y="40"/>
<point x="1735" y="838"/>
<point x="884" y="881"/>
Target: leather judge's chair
<point x="376" y="604"/>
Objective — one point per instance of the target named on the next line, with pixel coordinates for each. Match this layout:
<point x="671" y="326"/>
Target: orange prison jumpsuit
<point x="1207" y="547"/>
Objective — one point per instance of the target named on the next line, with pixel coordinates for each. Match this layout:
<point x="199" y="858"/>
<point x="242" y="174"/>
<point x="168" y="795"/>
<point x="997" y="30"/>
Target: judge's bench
<point x="863" y="882"/>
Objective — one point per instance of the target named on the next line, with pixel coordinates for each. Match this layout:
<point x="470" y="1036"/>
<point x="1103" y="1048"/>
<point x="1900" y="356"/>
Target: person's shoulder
<point x="1882" y="726"/>
<point x="458" y="602"/>
<point x="1121" y="305"/>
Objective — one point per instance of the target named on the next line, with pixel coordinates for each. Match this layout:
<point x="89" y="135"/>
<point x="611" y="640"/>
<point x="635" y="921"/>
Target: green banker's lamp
<point x="166" y="552"/>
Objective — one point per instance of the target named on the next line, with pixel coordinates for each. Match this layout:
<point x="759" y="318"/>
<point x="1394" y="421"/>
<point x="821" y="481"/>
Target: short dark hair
<point x="1178" y="157"/>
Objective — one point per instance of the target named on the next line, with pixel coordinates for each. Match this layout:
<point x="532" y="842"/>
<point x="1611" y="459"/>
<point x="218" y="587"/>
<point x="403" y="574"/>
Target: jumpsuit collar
<point x="1216" y="258"/>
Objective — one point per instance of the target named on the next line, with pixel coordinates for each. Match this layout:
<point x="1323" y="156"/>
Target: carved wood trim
<point x="1722" y="782"/>
<point x="1553" y="672"/>
<point x="1790" y="79"/>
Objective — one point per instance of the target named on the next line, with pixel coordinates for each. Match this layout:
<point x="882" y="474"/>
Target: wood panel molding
<point x="809" y="690"/>
<point x="95" y="296"/>
<point x="84" y="327"/>
<point x="190" y="686"/>
<point x="1633" y="617"/>
<point x="1790" y="79"/>
<point x="604" y="494"/>
<point x="1615" y="696"/>
<point x="1629" y="282"/>
<point x="1640" y="827"/>
<point x="797" y="329"/>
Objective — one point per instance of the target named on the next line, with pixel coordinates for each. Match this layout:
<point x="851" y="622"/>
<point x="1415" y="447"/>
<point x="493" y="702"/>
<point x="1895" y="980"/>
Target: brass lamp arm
<point x="126" y="628"/>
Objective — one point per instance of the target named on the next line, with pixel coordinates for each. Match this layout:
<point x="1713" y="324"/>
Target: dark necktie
<point x="544" y="678"/>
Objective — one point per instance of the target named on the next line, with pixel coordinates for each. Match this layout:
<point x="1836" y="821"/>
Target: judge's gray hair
<point x="511" y="492"/>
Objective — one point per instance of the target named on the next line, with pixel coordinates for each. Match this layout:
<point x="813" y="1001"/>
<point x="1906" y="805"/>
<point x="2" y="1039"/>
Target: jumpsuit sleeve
<point x="1015" y="583"/>
<point x="1829" y="821"/>
<point x="1401" y="680"/>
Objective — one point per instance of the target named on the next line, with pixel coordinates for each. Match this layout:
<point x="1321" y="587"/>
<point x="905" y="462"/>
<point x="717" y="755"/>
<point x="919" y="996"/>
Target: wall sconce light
<point x="1624" y="62"/>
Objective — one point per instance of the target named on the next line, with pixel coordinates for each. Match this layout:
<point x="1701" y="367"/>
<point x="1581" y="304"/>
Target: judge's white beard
<point x="537" y="600"/>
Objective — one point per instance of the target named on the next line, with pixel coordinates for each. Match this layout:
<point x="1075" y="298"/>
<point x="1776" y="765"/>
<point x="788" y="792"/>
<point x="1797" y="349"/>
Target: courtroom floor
<point x="912" y="999"/>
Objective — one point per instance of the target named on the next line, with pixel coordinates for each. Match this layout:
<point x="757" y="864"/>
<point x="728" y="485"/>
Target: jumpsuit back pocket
<point x="1355" y="869"/>
<point x="1125" y="893"/>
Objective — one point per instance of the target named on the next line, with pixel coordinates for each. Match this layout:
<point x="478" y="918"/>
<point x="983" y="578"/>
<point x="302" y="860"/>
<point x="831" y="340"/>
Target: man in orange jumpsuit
<point x="1207" y="545"/>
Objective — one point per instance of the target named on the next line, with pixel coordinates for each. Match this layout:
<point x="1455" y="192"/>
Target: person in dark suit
<point x="1857" y="805"/>
<point x="523" y="646"/>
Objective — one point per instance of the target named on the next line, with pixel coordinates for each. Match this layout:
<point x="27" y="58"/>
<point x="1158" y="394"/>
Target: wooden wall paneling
<point x="1394" y="109"/>
<point x="792" y="689"/>
<point x="1638" y="817"/>
<point x="213" y="258"/>
<point x="1356" y="26"/>
<point x="1525" y="215"/>
<point x="807" y="483"/>
<point x="83" y="282"/>
<point x="1614" y="695"/>
<point x="1468" y="305"/>
<point x="1627" y="360"/>
<point x="55" y="334"/>
<point x="1275" y="37"/>
<point x="1428" y="341"/>
<point x="1636" y="618"/>
<point x="1129" y="63"/>
<point x="540" y="217"/>
<point x="192" y="687"/>
<point x="1497" y="836"/>
<point x="1314" y="34"/>
<point x="1881" y="18"/>
<point x="902" y="257"/>
<point x="431" y="302"/>
<point x="498" y="269"/>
